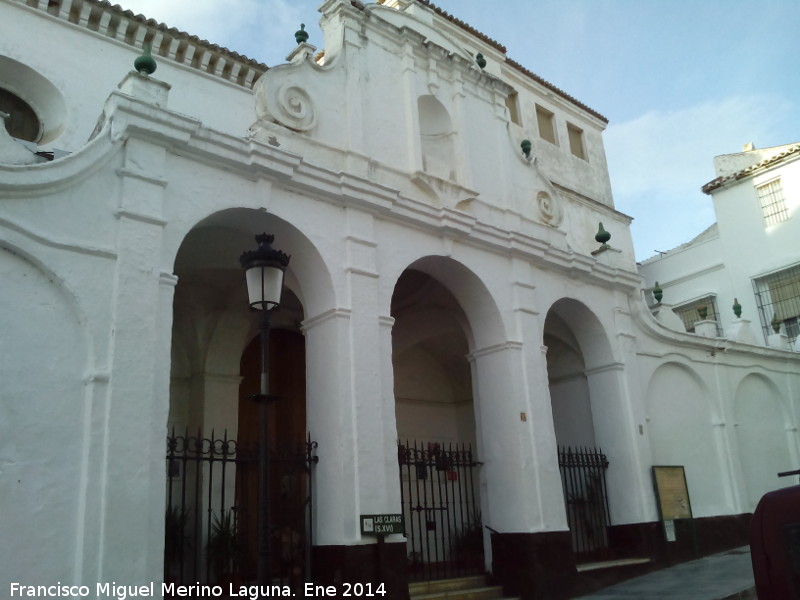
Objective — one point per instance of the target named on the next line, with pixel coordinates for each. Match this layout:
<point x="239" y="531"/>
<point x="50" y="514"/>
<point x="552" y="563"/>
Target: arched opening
<point x="762" y="438"/>
<point x="577" y="354"/>
<point x="44" y="415"/>
<point x="436" y="137"/>
<point x="679" y="425"/>
<point x="436" y="429"/>
<point x="213" y="512"/>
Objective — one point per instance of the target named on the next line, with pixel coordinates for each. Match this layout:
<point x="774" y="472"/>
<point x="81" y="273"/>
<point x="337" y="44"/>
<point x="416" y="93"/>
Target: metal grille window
<point x="773" y="205"/>
<point x="690" y="312"/>
<point x="439" y="494"/>
<point x="778" y="298"/>
<point x="583" y="481"/>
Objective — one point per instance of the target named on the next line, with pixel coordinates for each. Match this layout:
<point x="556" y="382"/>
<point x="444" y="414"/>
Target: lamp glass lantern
<point x="264" y="268"/>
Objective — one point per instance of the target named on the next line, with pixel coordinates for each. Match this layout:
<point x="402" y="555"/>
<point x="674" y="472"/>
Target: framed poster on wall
<point x="672" y="493"/>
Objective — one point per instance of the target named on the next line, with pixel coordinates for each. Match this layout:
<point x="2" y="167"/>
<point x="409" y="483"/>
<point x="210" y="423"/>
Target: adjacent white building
<point x="749" y="255"/>
<point x="445" y="291"/>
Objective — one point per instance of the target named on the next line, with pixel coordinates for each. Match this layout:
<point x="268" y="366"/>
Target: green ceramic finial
<point x="658" y="293"/>
<point x="145" y="63"/>
<point x="526" y="148"/>
<point x="703" y="312"/>
<point x="737" y="308"/>
<point x="776" y="323"/>
<point x="301" y="35"/>
<point x="480" y="60"/>
<point x="602" y="235"/>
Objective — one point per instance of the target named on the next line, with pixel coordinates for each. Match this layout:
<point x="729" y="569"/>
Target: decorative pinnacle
<point x="737" y="308"/>
<point x="145" y="63"/>
<point x="480" y="60"/>
<point x="658" y="293"/>
<point x="301" y="35"/>
<point x="526" y="148"/>
<point x="602" y="235"/>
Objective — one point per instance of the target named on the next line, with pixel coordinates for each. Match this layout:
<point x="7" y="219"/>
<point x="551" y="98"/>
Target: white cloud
<point x="260" y="29"/>
<point x="659" y="161"/>
<point x="672" y="151"/>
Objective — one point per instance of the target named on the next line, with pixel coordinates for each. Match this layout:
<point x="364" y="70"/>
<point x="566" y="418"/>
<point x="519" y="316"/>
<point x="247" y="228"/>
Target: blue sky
<point x="680" y="81"/>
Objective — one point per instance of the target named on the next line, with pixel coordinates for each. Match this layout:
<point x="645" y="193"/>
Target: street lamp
<point x="264" y="268"/>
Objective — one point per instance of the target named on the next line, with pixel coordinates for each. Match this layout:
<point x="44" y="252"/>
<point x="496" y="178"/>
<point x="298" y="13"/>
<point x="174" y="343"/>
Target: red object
<point x="775" y="545"/>
<point x="452" y="476"/>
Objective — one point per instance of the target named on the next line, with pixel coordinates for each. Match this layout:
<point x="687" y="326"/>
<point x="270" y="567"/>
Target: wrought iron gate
<point x="583" y="478"/>
<point x="439" y="488"/>
<point x="211" y="517"/>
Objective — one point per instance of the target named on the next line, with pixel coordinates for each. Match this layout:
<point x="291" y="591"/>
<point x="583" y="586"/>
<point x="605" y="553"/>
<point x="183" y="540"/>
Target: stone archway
<point x="442" y="314"/>
<point x="214" y="375"/>
<point x="761" y="435"/>
<point x="581" y="388"/>
<point x="681" y="432"/>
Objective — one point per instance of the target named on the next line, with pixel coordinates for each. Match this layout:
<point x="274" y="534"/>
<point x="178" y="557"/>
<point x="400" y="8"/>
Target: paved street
<point x="725" y="576"/>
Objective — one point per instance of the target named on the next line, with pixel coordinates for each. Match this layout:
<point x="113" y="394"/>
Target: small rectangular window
<point x="773" y="204"/>
<point x="576" y="141"/>
<point x="546" y="122"/>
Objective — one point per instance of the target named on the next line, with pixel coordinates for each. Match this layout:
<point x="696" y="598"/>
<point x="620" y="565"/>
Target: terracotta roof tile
<point x="718" y="182"/>
<point x="464" y="26"/>
<point x="509" y="61"/>
<point x="553" y="88"/>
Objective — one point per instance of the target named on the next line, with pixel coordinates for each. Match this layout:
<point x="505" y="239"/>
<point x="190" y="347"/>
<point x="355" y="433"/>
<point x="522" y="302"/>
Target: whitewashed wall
<point x="99" y="235"/>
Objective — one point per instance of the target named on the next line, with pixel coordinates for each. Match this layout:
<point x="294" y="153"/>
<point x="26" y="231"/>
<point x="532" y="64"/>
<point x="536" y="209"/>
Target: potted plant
<point x="467" y="545"/>
<point x="223" y="547"/>
<point x="175" y="539"/>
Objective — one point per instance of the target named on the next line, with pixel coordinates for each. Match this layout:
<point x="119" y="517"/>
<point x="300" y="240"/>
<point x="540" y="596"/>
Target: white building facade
<point x="445" y="286"/>
<point x="748" y="257"/>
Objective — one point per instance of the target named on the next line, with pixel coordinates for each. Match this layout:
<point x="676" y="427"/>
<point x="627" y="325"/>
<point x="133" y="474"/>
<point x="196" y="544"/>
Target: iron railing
<point x="211" y="517"/>
<point x="583" y="479"/>
<point x="438" y="485"/>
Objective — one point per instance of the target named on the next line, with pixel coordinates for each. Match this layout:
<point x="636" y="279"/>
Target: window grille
<point x="689" y="312"/>
<point x="778" y="296"/>
<point x="773" y="204"/>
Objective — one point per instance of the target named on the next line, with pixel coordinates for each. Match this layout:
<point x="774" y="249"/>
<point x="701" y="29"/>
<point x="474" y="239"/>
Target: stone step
<point x="445" y="585"/>
<point x="462" y="588"/>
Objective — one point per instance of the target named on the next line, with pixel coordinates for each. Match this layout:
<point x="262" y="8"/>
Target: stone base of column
<point x="542" y="566"/>
<point x="534" y="566"/>
<point x="370" y="564"/>
<point x="693" y="538"/>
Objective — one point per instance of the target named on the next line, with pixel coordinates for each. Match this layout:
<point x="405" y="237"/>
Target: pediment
<point x="401" y="19"/>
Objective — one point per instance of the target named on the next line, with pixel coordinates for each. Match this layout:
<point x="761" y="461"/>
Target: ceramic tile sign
<point x="382" y="524"/>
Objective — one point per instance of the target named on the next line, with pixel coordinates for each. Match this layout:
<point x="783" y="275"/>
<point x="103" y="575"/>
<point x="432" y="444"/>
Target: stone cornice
<point x="255" y="160"/>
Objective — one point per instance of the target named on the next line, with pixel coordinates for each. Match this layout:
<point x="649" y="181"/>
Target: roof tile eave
<point x="498" y="46"/>
<point x="719" y="182"/>
<point x="465" y="26"/>
<point x="553" y="88"/>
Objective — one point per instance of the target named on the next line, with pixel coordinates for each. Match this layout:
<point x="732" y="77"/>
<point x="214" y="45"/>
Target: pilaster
<point x="138" y="391"/>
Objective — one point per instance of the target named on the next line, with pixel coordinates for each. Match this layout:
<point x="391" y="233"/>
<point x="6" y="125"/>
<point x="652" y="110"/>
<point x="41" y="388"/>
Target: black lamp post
<point x="264" y="268"/>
